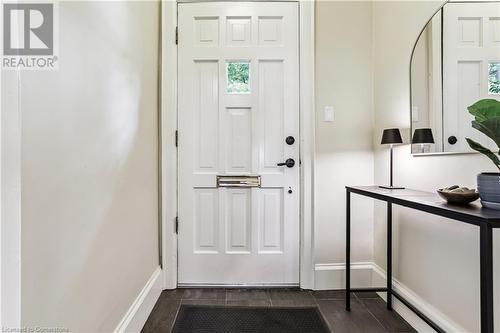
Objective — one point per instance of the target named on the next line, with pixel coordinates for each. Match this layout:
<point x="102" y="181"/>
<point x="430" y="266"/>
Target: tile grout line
<point x="373" y="315"/>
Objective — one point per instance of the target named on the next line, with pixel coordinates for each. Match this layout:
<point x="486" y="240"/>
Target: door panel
<point x="271" y="219"/>
<point x="239" y="140"/>
<point x="271" y="75"/>
<point x="206" y="215"/>
<point x="238" y="220"/>
<point x="238" y="101"/>
<point x="207" y="109"/>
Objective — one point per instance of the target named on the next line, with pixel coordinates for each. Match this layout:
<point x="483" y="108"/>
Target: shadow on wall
<point x="90" y="179"/>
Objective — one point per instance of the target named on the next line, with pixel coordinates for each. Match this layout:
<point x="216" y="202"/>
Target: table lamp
<point x="391" y="137"/>
<point x="422" y="136"/>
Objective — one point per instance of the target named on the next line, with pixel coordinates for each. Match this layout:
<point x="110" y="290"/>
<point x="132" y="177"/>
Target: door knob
<point x="290" y="163"/>
<point x="452" y="140"/>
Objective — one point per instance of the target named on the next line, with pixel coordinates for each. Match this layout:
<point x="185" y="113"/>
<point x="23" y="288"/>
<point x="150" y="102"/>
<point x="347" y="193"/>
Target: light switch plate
<point x="329" y="114"/>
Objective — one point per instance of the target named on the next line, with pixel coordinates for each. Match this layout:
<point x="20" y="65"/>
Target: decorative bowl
<point x="458" y="198"/>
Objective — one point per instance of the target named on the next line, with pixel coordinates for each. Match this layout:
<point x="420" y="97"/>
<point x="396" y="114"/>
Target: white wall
<point x="436" y="258"/>
<point x="89" y="168"/>
<point x="344" y="147"/>
<point x="10" y="208"/>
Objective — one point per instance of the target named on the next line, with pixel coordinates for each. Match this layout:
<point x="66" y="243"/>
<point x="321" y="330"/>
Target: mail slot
<point x="238" y="181"/>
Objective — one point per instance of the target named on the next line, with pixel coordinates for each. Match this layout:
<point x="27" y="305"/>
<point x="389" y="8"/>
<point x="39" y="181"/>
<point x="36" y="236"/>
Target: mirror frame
<point x="410" y="76"/>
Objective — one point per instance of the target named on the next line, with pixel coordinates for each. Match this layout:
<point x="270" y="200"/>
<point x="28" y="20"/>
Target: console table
<point x="485" y="219"/>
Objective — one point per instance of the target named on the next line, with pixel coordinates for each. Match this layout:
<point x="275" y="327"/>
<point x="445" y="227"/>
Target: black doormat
<point x="218" y="319"/>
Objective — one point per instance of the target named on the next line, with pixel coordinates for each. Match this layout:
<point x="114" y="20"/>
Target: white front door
<point x="238" y="102"/>
<point x="471" y="62"/>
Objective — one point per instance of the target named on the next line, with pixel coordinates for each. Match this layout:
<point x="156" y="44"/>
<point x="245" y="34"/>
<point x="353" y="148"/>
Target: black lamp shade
<point x="423" y="135"/>
<point x="391" y="136"/>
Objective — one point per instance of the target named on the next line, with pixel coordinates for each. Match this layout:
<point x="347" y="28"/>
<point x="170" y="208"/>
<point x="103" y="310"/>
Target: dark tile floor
<point x="368" y="312"/>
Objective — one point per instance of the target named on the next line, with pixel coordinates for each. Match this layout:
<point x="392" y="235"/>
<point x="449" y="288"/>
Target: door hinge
<point x="177" y="138"/>
<point x="177" y="224"/>
<point x="176" y="35"/>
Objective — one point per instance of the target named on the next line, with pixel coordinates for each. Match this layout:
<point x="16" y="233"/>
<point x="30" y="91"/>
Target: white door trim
<point x="169" y="160"/>
<point x="307" y="146"/>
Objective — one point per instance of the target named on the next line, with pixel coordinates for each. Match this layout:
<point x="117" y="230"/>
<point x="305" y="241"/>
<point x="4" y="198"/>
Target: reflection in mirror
<point x="455" y="63"/>
<point x="494" y="78"/>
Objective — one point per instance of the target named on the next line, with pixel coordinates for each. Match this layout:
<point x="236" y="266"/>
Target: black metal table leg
<point x="486" y="253"/>
<point x="348" y="252"/>
<point x="389" y="256"/>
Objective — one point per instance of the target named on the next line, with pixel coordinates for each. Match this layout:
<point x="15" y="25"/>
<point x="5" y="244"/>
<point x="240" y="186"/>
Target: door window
<point x="494" y="78"/>
<point x="238" y="77"/>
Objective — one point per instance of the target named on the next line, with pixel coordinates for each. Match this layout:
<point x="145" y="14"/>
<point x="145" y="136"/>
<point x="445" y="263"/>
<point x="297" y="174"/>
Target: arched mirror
<point x="455" y="63"/>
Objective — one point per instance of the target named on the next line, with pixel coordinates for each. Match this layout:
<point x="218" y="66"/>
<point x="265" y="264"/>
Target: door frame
<point x="168" y="150"/>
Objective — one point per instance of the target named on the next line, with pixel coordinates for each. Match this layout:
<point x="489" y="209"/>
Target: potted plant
<point x="486" y="114"/>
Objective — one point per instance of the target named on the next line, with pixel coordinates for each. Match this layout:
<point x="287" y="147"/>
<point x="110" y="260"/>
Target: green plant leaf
<point x="485" y="109"/>
<point x="490" y="127"/>
<point x="485" y="151"/>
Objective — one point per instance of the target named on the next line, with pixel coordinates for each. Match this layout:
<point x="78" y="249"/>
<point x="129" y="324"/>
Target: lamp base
<point x="388" y="187"/>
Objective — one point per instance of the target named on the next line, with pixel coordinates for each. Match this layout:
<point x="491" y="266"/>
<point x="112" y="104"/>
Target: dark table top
<point x="431" y="203"/>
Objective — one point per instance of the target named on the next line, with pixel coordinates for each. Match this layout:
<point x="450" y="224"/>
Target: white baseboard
<point x="369" y="274"/>
<point x="332" y="276"/>
<point x="446" y="323"/>
<point x="139" y="311"/>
